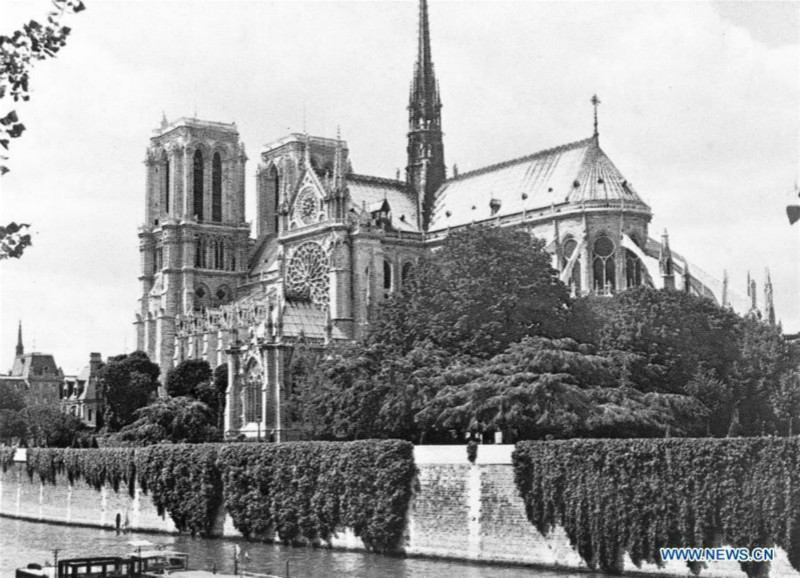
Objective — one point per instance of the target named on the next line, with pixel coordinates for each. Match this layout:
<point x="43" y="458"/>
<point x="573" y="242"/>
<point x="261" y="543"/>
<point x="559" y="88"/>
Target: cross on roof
<point x="595" y="102"/>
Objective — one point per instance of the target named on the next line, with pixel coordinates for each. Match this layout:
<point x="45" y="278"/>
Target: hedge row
<point x="302" y="491"/>
<point x="6" y="457"/>
<point x="637" y="496"/>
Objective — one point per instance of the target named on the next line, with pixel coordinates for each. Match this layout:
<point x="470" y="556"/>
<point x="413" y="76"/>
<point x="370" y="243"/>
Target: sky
<point x="700" y="111"/>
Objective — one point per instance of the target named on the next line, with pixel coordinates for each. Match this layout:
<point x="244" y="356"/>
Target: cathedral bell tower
<point x="194" y="241"/>
<point x="425" y="171"/>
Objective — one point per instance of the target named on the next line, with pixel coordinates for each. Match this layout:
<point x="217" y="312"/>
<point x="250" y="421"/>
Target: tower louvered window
<point x="166" y="187"/>
<point x="216" y="189"/>
<point x="198" y="185"/>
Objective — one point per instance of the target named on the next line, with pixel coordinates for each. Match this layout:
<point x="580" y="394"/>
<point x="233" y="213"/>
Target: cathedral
<point x="331" y="244"/>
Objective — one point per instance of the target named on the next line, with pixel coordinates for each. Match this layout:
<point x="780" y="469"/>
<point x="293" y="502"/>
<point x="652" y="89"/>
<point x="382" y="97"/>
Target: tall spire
<point x="725" y="288"/>
<point x="665" y="262"/>
<point x="425" y="171"/>
<point x="20" y="348"/>
<point x="769" y="303"/>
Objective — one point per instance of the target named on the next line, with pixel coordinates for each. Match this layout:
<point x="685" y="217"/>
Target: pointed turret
<point x="425" y="171"/>
<point x="725" y="288"/>
<point x="769" y="304"/>
<point x="20" y="348"/>
<point x="665" y="262"/>
<point x="687" y="278"/>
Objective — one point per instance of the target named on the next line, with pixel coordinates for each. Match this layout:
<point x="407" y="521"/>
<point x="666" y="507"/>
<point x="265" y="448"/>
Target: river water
<point x="23" y="542"/>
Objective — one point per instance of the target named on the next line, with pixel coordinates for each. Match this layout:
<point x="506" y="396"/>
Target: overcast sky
<point x="699" y="111"/>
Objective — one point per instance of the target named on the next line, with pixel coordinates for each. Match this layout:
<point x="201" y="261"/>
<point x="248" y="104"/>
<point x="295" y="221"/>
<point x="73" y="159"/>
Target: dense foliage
<point x="47" y="426"/>
<point x="304" y="491"/>
<point x="673" y="342"/>
<point x="185" y="377"/>
<point x="109" y="466"/>
<point x="636" y="496"/>
<point x="184" y="482"/>
<point x="128" y="382"/>
<point x="177" y="420"/>
<point x="556" y="388"/>
<point x="10" y="397"/>
<point x="483" y="289"/>
<point x="6" y="457"/>
<point x="12" y="426"/>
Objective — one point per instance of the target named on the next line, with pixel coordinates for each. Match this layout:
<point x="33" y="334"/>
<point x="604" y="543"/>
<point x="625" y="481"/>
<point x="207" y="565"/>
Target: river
<point x="22" y="542"/>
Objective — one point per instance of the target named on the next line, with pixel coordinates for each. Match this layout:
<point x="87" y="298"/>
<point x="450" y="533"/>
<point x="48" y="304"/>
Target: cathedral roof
<point x="367" y="192"/>
<point x="575" y="173"/>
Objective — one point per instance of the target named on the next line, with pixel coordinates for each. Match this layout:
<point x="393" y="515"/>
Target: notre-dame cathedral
<point x="331" y="244"/>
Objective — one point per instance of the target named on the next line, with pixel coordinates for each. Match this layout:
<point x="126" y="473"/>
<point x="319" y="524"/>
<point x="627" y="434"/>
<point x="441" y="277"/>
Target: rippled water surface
<point x="23" y="542"/>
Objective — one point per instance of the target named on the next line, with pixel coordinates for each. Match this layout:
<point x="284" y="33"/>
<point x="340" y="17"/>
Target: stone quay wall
<point x="461" y="511"/>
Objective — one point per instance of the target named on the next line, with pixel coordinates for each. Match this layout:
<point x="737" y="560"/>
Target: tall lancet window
<point x="166" y="187"/>
<point x="570" y="246"/>
<point x="603" y="266"/>
<point x="276" y="187"/>
<point x="198" y="184"/>
<point x="216" y="189"/>
<point x="633" y="269"/>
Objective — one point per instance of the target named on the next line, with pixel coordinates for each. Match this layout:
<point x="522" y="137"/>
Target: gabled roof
<point x="367" y="192"/>
<point x="575" y="173"/>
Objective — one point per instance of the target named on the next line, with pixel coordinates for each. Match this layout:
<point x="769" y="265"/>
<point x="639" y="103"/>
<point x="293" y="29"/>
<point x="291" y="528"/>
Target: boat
<point x="150" y="563"/>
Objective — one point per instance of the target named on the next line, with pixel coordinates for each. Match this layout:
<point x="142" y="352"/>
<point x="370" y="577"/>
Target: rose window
<point x="307" y="274"/>
<point x="307" y="206"/>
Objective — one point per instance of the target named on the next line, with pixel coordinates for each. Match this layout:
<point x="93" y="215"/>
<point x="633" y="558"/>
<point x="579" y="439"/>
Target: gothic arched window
<point x="603" y="265"/>
<point x="387" y="275"/>
<point x="200" y="253"/>
<point x="216" y="188"/>
<point x="274" y="183"/>
<point x="633" y="269"/>
<point x="198" y="184"/>
<point x="570" y="246"/>
<point x="252" y="393"/>
<point x="407" y="271"/>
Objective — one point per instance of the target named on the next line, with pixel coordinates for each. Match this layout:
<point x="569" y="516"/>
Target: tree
<point x="786" y="401"/>
<point x="178" y="419"/>
<point x="185" y="378"/>
<point x="221" y="388"/>
<point x="10" y="397"/>
<point x="555" y="388"/>
<point x="128" y="382"/>
<point x="671" y="332"/>
<point x="717" y="396"/>
<point x="48" y="427"/>
<point x="485" y="288"/>
<point x="18" y="53"/>
<point x="763" y="359"/>
<point x="12" y="425"/>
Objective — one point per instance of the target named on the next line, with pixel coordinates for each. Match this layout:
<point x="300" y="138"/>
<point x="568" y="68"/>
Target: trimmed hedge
<point x="111" y="466"/>
<point x="304" y="491"/>
<point x="6" y="457"/>
<point x="184" y="482"/>
<point x="636" y="496"/>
